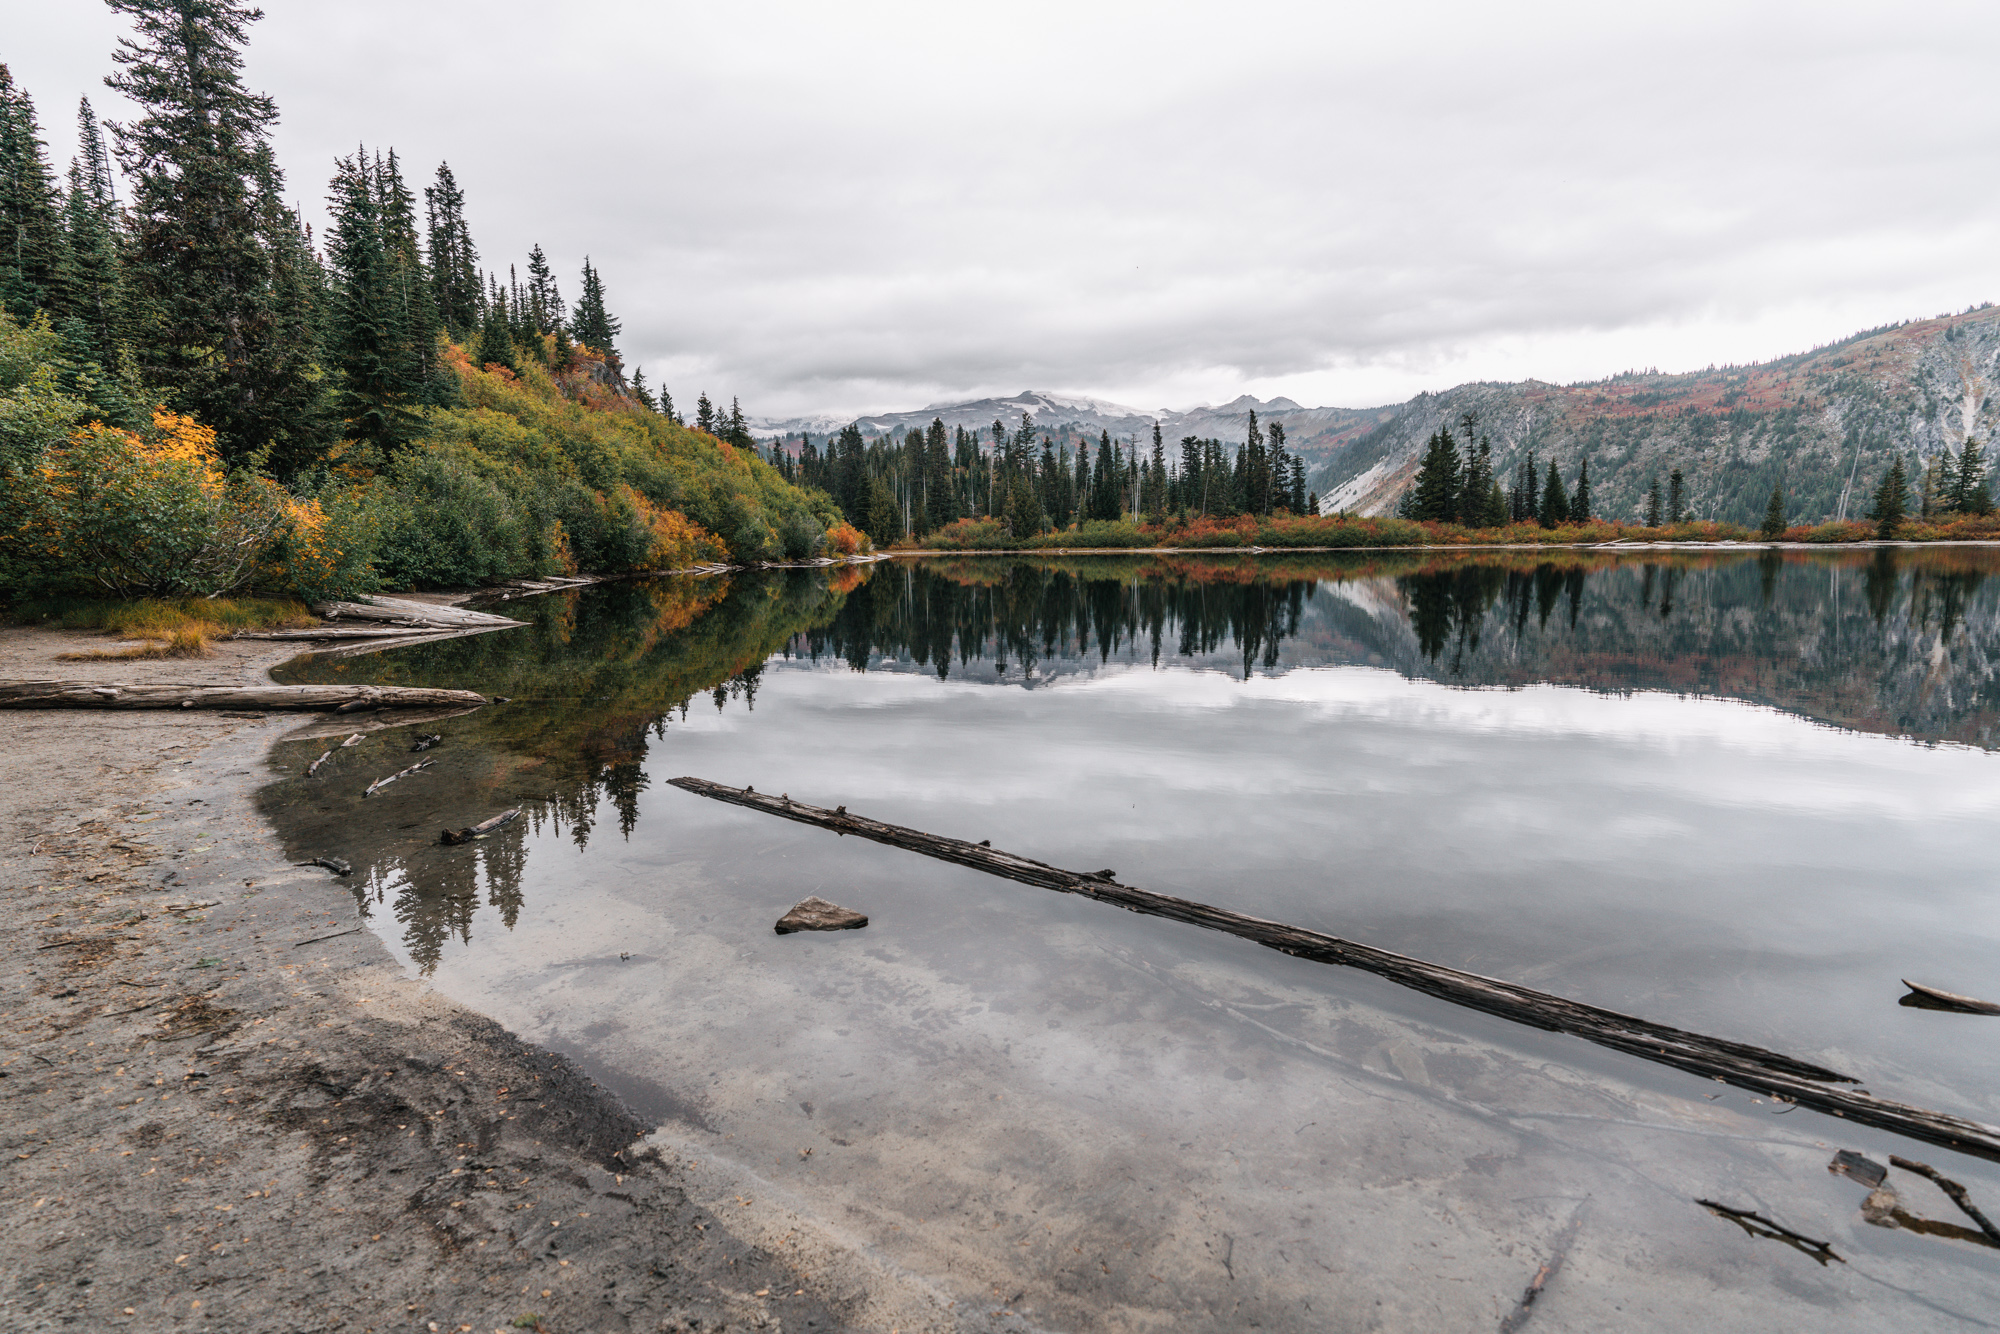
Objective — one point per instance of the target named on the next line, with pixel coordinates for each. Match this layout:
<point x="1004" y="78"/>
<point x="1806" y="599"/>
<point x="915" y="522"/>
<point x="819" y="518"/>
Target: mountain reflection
<point x="1890" y="641"/>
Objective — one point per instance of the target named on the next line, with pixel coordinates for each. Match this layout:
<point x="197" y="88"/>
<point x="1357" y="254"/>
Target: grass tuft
<point x="162" y="618"/>
<point x="189" y="641"/>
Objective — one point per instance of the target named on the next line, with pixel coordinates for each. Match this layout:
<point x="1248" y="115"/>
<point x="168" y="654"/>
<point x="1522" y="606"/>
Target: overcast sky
<point x="868" y="206"/>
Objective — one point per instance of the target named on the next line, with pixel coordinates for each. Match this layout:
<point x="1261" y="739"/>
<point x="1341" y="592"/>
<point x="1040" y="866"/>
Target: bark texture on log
<point x="104" y="695"/>
<point x="1755" y="1068"/>
<point x="424" y="615"/>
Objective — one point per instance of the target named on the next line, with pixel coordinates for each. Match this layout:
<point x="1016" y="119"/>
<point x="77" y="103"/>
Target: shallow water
<point x="1744" y="796"/>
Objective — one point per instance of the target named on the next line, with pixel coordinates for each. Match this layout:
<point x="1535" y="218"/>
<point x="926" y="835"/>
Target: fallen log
<point x="1754" y="1068"/>
<point x="412" y="614"/>
<point x="338" y="698"/>
<point x="452" y="837"/>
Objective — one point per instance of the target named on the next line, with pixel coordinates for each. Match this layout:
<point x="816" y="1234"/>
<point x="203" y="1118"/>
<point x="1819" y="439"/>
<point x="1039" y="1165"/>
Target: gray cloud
<point x="874" y="205"/>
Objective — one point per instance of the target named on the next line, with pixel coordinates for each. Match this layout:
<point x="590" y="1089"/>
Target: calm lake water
<point x="1741" y="794"/>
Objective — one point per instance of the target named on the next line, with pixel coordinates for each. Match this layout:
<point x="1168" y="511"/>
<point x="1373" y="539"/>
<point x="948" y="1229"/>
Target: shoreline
<point x="227" y="1107"/>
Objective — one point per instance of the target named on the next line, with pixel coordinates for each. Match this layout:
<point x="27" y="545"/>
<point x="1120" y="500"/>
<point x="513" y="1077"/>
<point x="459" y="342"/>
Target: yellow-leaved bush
<point x="152" y="512"/>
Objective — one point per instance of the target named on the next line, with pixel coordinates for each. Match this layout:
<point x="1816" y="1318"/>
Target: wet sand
<point x="226" y="1108"/>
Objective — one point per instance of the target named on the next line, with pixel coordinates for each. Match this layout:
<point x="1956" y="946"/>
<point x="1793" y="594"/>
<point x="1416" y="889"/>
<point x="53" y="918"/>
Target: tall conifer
<point x="32" y="257"/>
<point x="593" y="325"/>
<point x="454" y="261"/>
<point x="205" y="214"/>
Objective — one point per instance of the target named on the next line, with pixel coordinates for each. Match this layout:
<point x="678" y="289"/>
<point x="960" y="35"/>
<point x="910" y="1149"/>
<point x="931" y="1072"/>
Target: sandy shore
<point x="226" y="1109"/>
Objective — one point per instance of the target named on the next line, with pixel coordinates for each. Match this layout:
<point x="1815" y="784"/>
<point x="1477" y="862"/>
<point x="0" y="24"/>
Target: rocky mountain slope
<point x="1822" y="423"/>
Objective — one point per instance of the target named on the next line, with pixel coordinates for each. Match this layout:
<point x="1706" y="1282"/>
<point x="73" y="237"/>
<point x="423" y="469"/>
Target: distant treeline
<point x="906" y="487"/>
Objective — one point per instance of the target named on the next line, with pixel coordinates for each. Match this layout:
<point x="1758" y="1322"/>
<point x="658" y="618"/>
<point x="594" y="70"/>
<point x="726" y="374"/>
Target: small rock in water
<point x="816" y="914"/>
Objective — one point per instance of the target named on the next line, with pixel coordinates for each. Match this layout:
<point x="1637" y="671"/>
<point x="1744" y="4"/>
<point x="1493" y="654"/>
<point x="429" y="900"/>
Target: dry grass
<point x="164" y="618"/>
<point x="186" y="642"/>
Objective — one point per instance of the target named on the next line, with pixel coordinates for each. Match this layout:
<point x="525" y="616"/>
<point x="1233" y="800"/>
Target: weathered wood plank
<point x="1754" y="1068"/>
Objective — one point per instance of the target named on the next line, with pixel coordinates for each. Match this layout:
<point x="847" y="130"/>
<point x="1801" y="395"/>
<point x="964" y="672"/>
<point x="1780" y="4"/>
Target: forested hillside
<point x="1822" y="424"/>
<point x="199" y="395"/>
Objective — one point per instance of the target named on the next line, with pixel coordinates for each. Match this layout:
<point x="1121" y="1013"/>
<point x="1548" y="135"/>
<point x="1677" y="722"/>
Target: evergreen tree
<point x="1434" y="494"/>
<point x="1676" y="497"/>
<point x="95" y="277"/>
<point x="1477" y="481"/>
<point x="545" y="303"/>
<point x="206" y="210"/>
<point x="704" y="415"/>
<point x="737" y="430"/>
<point x="289" y="389"/>
<point x="496" y="334"/>
<point x="1774" y="515"/>
<point x="645" y="395"/>
<point x="1969" y="494"/>
<point x="884" y="522"/>
<point x="1301" y="502"/>
<point x="1555" y="503"/>
<point x="1496" y="506"/>
<point x="594" y="326"/>
<point x="409" y="286"/>
<point x="32" y="253"/>
<point x="1653" y="502"/>
<point x="1892" y="500"/>
<point x="1579" y="502"/>
<point x="366" y="329"/>
<point x="455" y="287"/>
<point x="667" y="409"/>
<point x="940" y="487"/>
<point x="1156" y="480"/>
<point x="1104" y="488"/>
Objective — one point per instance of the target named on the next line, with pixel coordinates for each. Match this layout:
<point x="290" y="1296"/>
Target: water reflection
<point x="1285" y="736"/>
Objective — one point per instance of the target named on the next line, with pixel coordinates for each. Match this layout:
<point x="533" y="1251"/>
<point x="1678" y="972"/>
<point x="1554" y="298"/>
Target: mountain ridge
<point x="1821" y="424"/>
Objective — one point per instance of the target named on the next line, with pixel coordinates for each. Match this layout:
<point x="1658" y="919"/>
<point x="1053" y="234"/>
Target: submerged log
<point x="381" y="783"/>
<point x="1754" y="1068"/>
<point x="340" y="698"/>
<point x="451" y="837"/>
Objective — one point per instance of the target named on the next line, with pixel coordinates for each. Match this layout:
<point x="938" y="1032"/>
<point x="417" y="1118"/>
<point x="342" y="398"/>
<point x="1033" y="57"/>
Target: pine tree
<point x="1104" y="482"/>
<point x="1555" y="503"/>
<point x="496" y="334"/>
<point x="1301" y="502"/>
<point x="1676" y="497"/>
<point x="1579" y="502"/>
<point x="1474" y="485"/>
<point x="410" y="291"/>
<point x="940" y="487"/>
<point x="1969" y="494"/>
<point x="32" y="251"/>
<point x="365" y="334"/>
<point x="594" y="326"/>
<point x="289" y="386"/>
<point x="95" y="277"/>
<point x="642" y="393"/>
<point x="667" y="408"/>
<point x="704" y="415"/>
<point x="1653" y="502"/>
<point x="1434" y="494"/>
<point x="737" y="430"/>
<point x="206" y="210"/>
<point x="545" y="303"/>
<point x="1892" y="500"/>
<point x="455" y="286"/>
<point x="1156" y="480"/>
<point x="1774" y="515"/>
<point x="884" y="523"/>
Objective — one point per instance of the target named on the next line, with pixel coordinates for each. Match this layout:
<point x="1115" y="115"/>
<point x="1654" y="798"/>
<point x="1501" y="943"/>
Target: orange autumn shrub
<point x="153" y="513"/>
<point x="844" y="539"/>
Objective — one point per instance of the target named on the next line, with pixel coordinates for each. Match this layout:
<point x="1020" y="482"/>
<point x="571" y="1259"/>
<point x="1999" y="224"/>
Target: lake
<point x="1741" y="793"/>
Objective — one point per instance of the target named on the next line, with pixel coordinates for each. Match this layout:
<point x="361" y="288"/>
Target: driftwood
<point x="1774" y="1074"/>
<point x="1757" y="1225"/>
<point x="381" y="783"/>
<point x="1930" y="998"/>
<point x="1549" y="1269"/>
<point x="339" y="699"/>
<point x="413" y="615"/>
<point x="451" y="837"/>
<point x="333" y="864"/>
<point x="1959" y="1195"/>
<point x="313" y="768"/>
